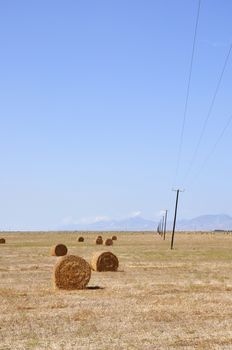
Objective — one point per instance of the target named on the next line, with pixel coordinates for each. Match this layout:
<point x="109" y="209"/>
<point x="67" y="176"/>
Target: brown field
<point x="159" y="299"/>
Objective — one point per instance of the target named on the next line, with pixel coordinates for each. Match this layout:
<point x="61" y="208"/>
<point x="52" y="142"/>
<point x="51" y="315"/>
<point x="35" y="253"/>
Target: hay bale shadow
<point x="94" y="287"/>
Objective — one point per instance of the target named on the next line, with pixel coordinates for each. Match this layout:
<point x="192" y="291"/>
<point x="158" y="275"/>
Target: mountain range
<point x="138" y="223"/>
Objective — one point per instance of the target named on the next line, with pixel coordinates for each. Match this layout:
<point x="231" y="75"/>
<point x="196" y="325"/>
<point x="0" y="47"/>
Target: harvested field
<point x="159" y="299"/>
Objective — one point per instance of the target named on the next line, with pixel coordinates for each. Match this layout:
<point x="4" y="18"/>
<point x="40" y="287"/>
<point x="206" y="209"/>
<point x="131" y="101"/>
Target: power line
<point x="209" y="113"/>
<point x="187" y="92"/>
<point x="209" y="155"/>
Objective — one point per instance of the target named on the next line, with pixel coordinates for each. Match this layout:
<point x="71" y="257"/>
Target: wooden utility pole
<point x="165" y="224"/>
<point x="162" y="226"/>
<point x="175" y="215"/>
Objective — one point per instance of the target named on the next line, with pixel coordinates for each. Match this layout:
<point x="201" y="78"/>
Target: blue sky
<point x="92" y="100"/>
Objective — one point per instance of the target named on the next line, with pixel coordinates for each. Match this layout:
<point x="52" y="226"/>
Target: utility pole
<point x="165" y="223"/>
<point x="162" y="226"/>
<point x="174" y="222"/>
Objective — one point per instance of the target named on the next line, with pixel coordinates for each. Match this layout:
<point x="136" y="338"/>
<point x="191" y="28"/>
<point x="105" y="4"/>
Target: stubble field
<point x="159" y="299"/>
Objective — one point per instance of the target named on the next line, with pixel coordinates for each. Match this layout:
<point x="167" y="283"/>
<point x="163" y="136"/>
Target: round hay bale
<point x="108" y="241"/>
<point x="99" y="240"/>
<point x="2" y="240"/>
<point x="114" y="238"/>
<point x="71" y="272"/>
<point x="105" y="261"/>
<point x="59" y="250"/>
<point x="99" y="237"/>
<point x="81" y="239"/>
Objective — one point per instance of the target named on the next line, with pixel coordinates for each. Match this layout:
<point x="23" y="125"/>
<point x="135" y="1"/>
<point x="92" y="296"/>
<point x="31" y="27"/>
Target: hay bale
<point x="99" y="240"/>
<point x="105" y="261"/>
<point x="71" y="272"/>
<point x="114" y="238"/>
<point x="108" y="241"/>
<point x="99" y="237"/>
<point x="59" y="250"/>
<point x="2" y="240"/>
<point x="81" y="239"/>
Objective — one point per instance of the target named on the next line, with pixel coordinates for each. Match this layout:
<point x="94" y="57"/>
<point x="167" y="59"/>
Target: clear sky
<point x="92" y="100"/>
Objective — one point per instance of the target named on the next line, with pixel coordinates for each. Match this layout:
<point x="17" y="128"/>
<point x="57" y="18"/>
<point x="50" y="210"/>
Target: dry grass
<point x="160" y="299"/>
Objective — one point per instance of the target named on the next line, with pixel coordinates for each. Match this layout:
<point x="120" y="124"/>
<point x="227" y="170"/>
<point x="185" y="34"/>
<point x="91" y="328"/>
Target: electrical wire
<point x="209" y="155"/>
<point x="208" y="115"/>
<point x="187" y="93"/>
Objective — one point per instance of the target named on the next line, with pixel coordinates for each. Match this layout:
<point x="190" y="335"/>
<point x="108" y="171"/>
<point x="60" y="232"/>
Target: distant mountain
<point x="207" y="223"/>
<point x="137" y="223"/>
